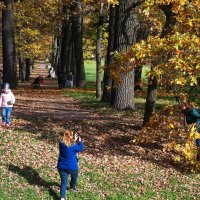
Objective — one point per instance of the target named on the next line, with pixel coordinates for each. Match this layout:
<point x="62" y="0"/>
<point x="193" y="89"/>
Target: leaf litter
<point x="111" y="163"/>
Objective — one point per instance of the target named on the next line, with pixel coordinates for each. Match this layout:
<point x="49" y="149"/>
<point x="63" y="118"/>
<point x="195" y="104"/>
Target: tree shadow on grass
<point x="103" y="133"/>
<point x="152" y="152"/>
<point x="111" y="138"/>
<point x="33" y="178"/>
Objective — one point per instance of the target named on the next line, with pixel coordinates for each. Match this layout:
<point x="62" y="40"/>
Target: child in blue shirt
<point x="192" y="116"/>
<point x="68" y="161"/>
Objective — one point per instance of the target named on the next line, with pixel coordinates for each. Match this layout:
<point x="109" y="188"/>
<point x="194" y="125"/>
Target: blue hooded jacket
<point x="192" y="116"/>
<point x="68" y="156"/>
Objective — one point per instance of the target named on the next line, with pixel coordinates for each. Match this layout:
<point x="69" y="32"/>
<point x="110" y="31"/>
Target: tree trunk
<point x="58" y="58"/>
<point x="98" y="53"/>
<point x="126" y="29"/>
<point x="151" y="99"/>
<point x="31" y="65"/>
<point x="56" y="53"/>
<point x="27" y="76"/>
<point x="138" y="78"/>
<point x="66" y="42"/>
<point x="106" y="97"/>
<point x="73" y="61"/>
<point x="78" y="46"/>
<point x="70" y="53"/>
<point x="63" y="48"/>
<point x="152" y="86"/>
<point x="8" y="44"/>
<point x="170" y="19"/>
<point x="124" y="97"/>
<point x="54" y="50"/>
<point x="22" y="68"/>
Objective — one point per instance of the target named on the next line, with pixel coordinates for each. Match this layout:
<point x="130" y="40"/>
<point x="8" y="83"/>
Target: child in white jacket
<point x="7" y="99"/>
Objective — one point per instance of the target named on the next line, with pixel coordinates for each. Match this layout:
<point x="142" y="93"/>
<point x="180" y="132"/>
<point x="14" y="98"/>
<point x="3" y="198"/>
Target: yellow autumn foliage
<point x="167" y="129"/>
<point x="177" y="55"/>
<point x="36" y="22"/>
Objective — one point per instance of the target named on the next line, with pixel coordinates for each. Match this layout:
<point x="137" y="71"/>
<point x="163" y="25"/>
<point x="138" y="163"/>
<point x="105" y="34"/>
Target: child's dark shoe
<point x="198" y="153"/>
<point x="198" y="157"/>
<point x="73" y="190"/>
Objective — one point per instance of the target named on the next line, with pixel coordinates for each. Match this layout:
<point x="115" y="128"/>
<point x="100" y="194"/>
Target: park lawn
<point x="29" y="156"/>
<point x="87" y="99"/>
<point x="90" y="71"/>
<point x="28" y="172"/>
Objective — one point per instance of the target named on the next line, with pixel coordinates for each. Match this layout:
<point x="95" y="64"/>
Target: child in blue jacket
<point x="68" y="161"/>
<point x="192" y="116"/>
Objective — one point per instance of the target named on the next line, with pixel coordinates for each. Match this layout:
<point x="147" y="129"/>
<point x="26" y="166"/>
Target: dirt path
<point x="47" y="103"/>
<point x="49" y="112"/>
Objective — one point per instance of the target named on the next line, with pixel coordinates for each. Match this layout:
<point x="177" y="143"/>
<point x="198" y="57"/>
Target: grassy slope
<point x="27" y="168"/>
<point x="90" y="69"/>
<point x="90" y="99"/>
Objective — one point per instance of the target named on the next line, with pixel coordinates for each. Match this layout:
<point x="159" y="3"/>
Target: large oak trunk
<point x="126" y="29"/>
<point x="77" y="30"/>
<point x="8" y="43"/>
<point x="124" y="97"/>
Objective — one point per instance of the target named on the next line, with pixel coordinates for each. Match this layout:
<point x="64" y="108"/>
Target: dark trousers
<point x="198" y="140"/>
<point x="64" y="174"/>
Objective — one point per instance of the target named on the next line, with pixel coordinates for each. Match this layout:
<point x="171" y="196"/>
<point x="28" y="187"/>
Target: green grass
<point x="87" y="99"/>
<point x="28" y="169"/>
<point x="145" y="70"/>
<point x="90" y="71"/>
<point x="97" y="184"/>
<point x="99" y="179"/>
